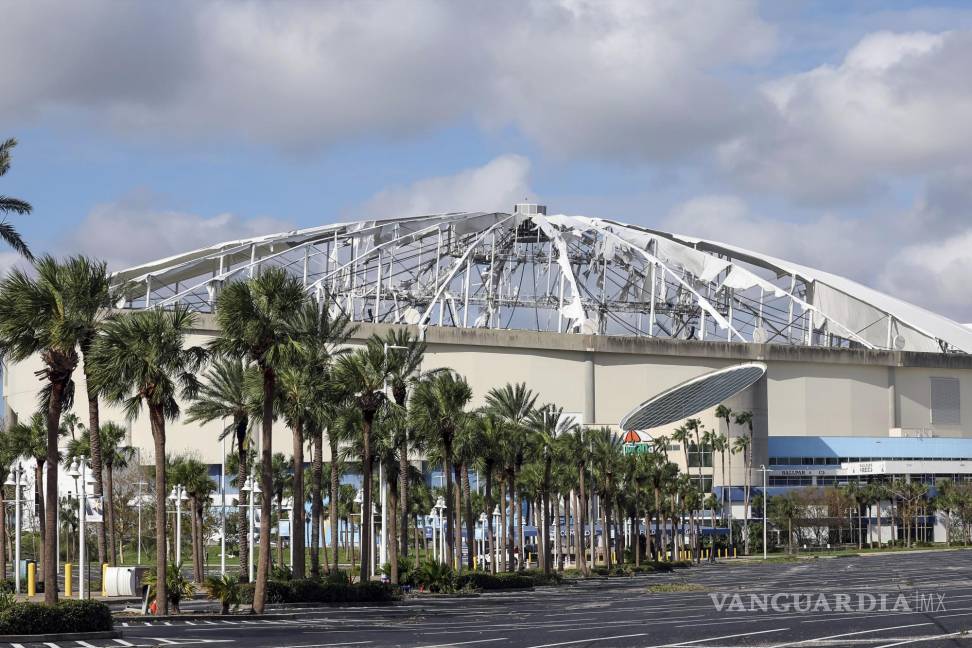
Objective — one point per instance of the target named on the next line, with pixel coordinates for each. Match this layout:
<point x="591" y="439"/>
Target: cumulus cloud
<point x="138" y="228"/>
<point x="922" y="254"/>
<point x="617" y="78"/>
<point x="494" y="186"/>
<point x="898" y="104"/>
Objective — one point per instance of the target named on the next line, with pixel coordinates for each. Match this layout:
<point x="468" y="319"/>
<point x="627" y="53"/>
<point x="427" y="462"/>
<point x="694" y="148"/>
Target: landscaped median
<point x="318" y="591"/>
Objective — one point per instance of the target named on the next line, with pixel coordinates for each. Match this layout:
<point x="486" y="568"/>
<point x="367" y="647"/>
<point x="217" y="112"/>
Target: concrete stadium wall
<point x="807" y="391"/>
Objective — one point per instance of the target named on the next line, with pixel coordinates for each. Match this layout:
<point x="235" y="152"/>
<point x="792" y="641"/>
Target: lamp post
<point x="222" y="508"/>
<point x="764" y="470"/>
<point x="177" y="495"/>
<point x="78" y="469"/>
<point x="496" y="529"/>
<point x="138" y="505"/>
<point x="359" y="500"/>
<point x="253" y="487"/>
<point x="13" y="479"/>
<point x="483" y="524"/>
<point x="440" y="508"/>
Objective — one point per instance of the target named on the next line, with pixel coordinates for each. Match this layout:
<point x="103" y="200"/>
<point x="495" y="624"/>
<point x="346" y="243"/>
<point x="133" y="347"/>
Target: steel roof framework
<point x="570" y="274"/>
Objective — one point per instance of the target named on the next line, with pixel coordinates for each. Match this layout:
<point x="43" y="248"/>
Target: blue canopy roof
<point x="870" y="447"/>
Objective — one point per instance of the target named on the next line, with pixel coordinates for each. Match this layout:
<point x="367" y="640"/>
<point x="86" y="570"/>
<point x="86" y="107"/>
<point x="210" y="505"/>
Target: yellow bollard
<point x="475" y="562"/>
<point x="67" y="580"/>
<point x="733" y="552"/>
<point x="31" y="579"/>
<point x="104" y="579"/>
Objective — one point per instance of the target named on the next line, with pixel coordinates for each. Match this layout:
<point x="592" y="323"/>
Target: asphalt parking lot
<point x="862" y="601"/>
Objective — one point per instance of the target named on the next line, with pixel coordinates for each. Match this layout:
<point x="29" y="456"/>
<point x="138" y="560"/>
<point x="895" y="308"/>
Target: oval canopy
<point x="693" y="396"/>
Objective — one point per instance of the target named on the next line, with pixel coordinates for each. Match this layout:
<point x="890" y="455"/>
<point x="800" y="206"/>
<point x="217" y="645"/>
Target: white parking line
<point x="121" y="642"/>
<point x="17" y="645"/>
<point x="732" y="636"/>
<point x="346" y="643"/>
<point x="464" y="643"/>
<point x="849" y="634"/>
<point x="86" y="644"/>
<point x="923" y="639"/>
<point x="568" y="643"/>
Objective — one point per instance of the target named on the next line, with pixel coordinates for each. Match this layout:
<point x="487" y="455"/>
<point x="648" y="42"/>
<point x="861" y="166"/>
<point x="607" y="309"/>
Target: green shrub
<point x="66" y="616"/>
<point x="226" y="590"/>
<point x="318" y="591"/>
<point x="434" y="576"/>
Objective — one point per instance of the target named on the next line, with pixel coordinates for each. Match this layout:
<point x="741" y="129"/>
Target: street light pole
<point x="139" y="484"/>
<point x="13" y="479"/>
<point x="222" y="508"/>
<point x="765" y="508"/>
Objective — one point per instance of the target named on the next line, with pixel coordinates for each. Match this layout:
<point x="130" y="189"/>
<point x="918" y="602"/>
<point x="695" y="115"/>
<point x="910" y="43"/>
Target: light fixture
<point x="440" y="503"/>
<point x="74" y="471"/>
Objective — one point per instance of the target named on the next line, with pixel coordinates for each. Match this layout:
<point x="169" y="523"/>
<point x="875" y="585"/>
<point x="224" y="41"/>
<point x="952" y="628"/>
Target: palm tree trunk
<point x="241" y="473"/>
<point x="503" y="529"/>
<point x="392" y="536"/>
<point x="511" y="540"/>
<point x="94" y="434"/>
<point x="403" y="466"/>
<point x="50" y="497"/>
<point x="457" y="521"/>
<point x="280" y="552"/>
<point x="110" y="512"/>
<point x="605" y="532"/>
<point x="317" y="501"/>
<point x="450" y="506"/>
<point x="580" y="557"/>
<point x="157" y="420"/>
<point x="266" y="478"/>
<point x="519" y="528"/>
<point x="366" y="461"/>
<point x="557" y="547"/>
<point x="297" y="542"/>
<point x="545" y="504"/>
<point x="333" y="499"/>
<point x="490" y="539"/>
<point x="470" y="520"/>
<point x="3" y="536"/>
<point x="193" y="537"/>
<point x="40" y="501"/>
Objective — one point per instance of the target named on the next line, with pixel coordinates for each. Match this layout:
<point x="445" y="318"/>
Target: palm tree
<point x="115" y="455"/>
<point x="343" y="423"/>
<point x="193" y="475"/>
<point x="606" y="461"/>
<point x="361" y="377"/>
<point x="725" y="413"/>
<point x="682" y="434"/>
<point x="12" y="205"/>
<point x="255" y="322"/>
<point x="224" y="395"/>
<point x="546" y="424"/>
<point x="282" y="481"/>
<point x="29" y="440"/>
<point x="945" y="500"/>
<point x="321" y="334"/>
<point x="489" y="434"/>
<point x="746" y="418"/>
<point x="405" y="354"/>
<point x="303" y="386"/>
<point x="142" y="358"/>
<point x="437" y="412"/>
<point x="48" y="313"/>
<point x="513" y="404"/>
<point x="742" y="445"/>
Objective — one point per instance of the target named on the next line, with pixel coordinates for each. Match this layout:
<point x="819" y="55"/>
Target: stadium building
<point x="597" y="316"/>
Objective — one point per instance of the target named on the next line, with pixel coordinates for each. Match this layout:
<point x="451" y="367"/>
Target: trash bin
<point x="124" y="581"/>
<point x="23" y="570"/>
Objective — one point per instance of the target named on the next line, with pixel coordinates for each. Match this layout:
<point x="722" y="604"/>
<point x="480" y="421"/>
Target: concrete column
<point x="589" y="416"/>
<point x="894" y="411"/>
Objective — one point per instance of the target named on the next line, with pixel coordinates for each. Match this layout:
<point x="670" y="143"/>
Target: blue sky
<point x="835" y="134"/>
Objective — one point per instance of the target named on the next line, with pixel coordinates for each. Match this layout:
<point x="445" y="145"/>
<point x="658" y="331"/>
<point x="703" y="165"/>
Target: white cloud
<point x="922" y="255"/>
<point x="614" y="78"/>
<point x="137" y="229"/>
<point x="494" y="186"/>
<point x="899" y="103"/>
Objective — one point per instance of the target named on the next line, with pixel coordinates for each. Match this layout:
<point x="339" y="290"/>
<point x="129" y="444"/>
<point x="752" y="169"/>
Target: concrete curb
<point x="65" y="636"/>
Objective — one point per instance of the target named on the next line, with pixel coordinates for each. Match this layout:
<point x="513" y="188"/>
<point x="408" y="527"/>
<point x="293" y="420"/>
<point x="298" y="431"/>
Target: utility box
<point x="124" y="581"/>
